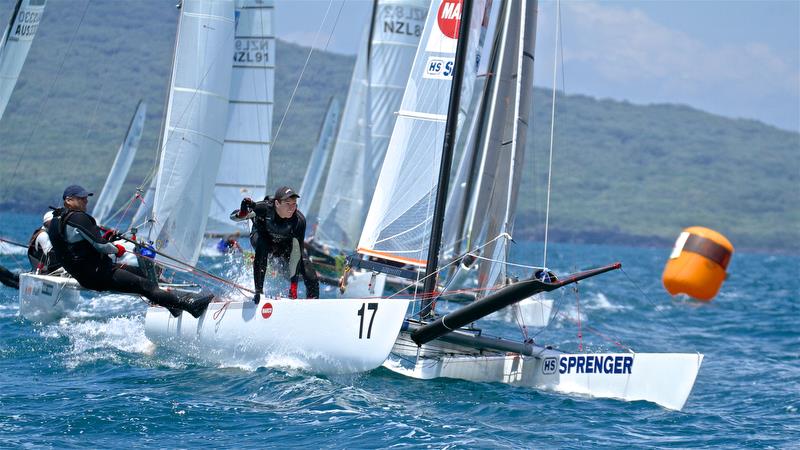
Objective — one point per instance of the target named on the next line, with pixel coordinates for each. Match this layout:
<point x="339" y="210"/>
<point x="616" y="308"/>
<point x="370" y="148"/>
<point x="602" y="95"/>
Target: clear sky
<point x="733" y="58"/>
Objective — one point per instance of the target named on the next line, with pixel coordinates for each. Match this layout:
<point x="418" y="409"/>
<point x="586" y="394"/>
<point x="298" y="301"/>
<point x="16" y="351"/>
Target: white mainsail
<point x="195" y="128"/>
<point x="398" y="224"/>
<point x="376" y="90"/>
<point x="245" y="153"/>
<point x="121" y="166"/>
<point x="319" y="159"/>
<point x="15" y="43"/>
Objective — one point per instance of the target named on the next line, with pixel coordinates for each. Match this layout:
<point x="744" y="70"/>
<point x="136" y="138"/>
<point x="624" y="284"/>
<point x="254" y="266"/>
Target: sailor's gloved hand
<point x="293" y="289"/>
<point x="246" y="206"/>
<point x="120" y="250"/>
<point x="110" y="234"/>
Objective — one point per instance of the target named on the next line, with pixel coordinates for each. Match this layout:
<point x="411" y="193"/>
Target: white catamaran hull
<point x="662" y="378"/>
<point x="48" y="298"/>
<point x="330" y="336"/>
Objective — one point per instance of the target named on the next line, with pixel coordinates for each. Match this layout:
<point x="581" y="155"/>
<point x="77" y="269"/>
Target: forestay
<point x="318" y="160"/>
<point x="121" y="166"/>
<point x="376" y="90"/>
<point x="15" y="43"/>
<point x="196" y="122"/>
<point x="398" y="224"/>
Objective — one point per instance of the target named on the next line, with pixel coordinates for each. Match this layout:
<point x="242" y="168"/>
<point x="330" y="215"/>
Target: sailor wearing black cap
<point x="83" y="250"/>
<point x="278" y="232"/>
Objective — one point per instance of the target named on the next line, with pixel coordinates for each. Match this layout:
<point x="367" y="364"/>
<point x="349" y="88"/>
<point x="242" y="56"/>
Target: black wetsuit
<point x="9" y="278"/>
<point x="83" y="259"/>
<point x="275" y="237"/>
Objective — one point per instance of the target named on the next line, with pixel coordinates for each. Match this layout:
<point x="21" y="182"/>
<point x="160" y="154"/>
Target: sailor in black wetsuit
<point x="83" y="251"/>
<point x="41" y="255"/>
<point x="278" y="232"/>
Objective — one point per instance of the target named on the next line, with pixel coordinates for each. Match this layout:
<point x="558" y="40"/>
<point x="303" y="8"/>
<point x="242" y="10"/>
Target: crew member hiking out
<point x="41" y="255"/>
<point x="278" y="232"/>
<point x="83" y="251"/>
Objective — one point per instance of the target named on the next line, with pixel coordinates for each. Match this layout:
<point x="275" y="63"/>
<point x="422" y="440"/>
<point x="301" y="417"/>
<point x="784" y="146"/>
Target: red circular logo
<point x="449" y="18"/>
<point x="266" y="310"/>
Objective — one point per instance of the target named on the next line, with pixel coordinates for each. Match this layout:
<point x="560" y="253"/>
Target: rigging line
<point x="454" y="261"/>
<point x="508" y="263"/>
<point x="94" y="118"/>
<point x="13" y="243"/>
<point x="136" y="195"/>
<point x="46" y="98"/>
<point x="552" y="132"/>
<point x="305" y="65"/>
<point x="578" y="306"/>
<point x="677" y="332"/>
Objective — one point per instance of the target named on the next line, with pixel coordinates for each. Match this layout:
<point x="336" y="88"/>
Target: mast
<point x="447" y="155"/>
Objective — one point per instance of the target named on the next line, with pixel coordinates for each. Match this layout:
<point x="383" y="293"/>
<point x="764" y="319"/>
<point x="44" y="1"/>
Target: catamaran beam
<point x="497" y="301"/>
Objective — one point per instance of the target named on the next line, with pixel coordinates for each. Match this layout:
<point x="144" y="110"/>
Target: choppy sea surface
<point x="99" y="382"/>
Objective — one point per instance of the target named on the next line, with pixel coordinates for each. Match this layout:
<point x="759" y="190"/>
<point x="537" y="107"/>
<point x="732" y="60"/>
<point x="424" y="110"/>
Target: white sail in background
<point x="121" y="166"/>
<point x="381" y="71"/>
<point x="318" y="160"/>
<point x="195" y="128"/>
<point x="398" y="224"/>
<point x="15" y="43"/>
<point x="245" y="154"/>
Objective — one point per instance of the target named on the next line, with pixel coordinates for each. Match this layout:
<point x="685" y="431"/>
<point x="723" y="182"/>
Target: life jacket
<point x="38" y="259"/>
<point x="80" y="258"/>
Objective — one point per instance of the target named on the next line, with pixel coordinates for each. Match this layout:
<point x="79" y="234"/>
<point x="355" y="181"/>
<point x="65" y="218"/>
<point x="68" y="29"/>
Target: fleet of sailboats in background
<point x="379" y="78"/>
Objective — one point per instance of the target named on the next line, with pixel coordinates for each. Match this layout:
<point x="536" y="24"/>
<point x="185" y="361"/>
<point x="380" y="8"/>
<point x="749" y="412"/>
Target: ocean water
<point x="101" y="383"/>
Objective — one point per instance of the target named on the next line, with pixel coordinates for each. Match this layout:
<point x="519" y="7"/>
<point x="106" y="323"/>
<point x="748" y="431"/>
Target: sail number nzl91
<point x="361" y="313"/>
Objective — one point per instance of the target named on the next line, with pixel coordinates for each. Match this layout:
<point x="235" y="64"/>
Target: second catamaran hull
<point x="662" y="378"/>
<point x="322" y="335"/>
<point x="49" y="298"/>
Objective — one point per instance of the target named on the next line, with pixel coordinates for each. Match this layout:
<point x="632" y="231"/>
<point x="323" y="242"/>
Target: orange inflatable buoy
<point x="697" y="264"/>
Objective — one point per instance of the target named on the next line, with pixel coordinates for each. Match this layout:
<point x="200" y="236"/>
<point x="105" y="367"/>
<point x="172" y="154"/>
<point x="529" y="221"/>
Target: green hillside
<point x="621" y="172"/>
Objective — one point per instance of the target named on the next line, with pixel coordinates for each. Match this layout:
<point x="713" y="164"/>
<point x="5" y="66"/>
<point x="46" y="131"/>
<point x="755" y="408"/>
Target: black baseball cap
<point x="76" y="191"/>
<point x="285" y="192"/>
